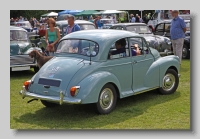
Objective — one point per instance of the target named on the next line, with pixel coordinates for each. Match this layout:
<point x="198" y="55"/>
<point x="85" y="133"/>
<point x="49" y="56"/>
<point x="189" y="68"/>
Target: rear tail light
<point x="26" y="84"/>
<point x="74" y="90"/>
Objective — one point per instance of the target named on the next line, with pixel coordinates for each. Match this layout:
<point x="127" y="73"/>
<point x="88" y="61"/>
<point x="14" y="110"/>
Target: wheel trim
<point x="168" y="82"/>
<point x="106" y="99"/>
<point x="184" y="52"/>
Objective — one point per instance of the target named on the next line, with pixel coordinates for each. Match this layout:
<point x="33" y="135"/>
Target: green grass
<point x="149" y="110"/>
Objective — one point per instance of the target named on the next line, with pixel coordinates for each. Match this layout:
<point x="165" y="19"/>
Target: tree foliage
<point x="30" y="13"/>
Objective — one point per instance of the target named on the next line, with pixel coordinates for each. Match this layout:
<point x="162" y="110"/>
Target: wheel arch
<point x="174" y="68"/>
<point x="116" y="88"/>
<point x="92" y="85"/>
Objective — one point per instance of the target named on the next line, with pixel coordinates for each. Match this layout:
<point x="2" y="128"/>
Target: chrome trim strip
<point x="60" y="99"/>
<point x="136" y="93"/>
<point x="116" y="65"/>
<point x="145" y="60"/>
<point x="23" y="65"/>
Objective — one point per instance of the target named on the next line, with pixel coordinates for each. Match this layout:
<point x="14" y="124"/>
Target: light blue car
<point x="99" y="66"/>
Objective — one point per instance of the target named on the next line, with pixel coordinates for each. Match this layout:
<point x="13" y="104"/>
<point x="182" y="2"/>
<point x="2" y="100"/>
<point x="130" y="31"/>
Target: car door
<point x="159" y="29"/>
<point x="167" y="29"/>
<point x="140" y="63"/>
<point x="120" y="65"/>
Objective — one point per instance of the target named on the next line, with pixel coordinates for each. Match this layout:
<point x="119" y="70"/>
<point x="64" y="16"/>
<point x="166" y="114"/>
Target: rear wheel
<point x="186" y="52"/>
<point x="170" y="82"/>
<point x="49" y="104"/>
<point x="107" y="99"/>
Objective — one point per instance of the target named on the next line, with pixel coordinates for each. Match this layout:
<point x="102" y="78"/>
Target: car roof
<point x="127" y="24"/>
<point x="76" y="21"/>
<point x="99" y="35"/>
<point x="17" y="28"/>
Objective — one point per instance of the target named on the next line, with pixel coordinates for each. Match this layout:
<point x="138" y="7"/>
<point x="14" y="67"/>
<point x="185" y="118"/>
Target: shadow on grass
<point x="21" y="74"/>
<point x="84" y="117"/>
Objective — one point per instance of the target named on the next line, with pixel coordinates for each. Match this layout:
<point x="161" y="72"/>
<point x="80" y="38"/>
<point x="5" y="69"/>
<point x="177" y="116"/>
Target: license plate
<point x="21" y="68"/>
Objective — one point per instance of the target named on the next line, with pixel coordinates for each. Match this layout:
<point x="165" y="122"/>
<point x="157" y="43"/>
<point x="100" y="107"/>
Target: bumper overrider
<point x="61" y="99"/>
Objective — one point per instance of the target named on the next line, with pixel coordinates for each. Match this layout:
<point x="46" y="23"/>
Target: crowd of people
<point x="33" y="21"/>
<point x="138" y="19"/>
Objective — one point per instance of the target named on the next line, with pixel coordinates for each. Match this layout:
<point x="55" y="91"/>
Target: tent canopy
<point x="109" y="12"/>
<point x="86" y="12"/>
<point x="63" y="12"/>
<point x="72" y="12"/>
<point x="49" y="14"/>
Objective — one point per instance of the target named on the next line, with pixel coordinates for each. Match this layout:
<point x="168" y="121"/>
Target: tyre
<point x="36" y="69"/>
<point x="49" y="104"/>
<point x="186" y="52"/>
<point x="170" y="82"/>
<point x="107" y="100"/>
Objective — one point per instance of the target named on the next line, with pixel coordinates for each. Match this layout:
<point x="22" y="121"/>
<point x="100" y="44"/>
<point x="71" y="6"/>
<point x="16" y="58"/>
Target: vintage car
<point x="107" y="23"/>
<point x="27" y="26"/>
<point x="160" y="43"/>
<point x="20" y="46"/>
<point x="163" y="29"/>
<point x="84" y="25"/>
<point x="84" y="71"/>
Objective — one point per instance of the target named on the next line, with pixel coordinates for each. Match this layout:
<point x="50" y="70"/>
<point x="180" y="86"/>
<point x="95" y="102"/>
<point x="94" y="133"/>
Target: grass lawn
<point x="149" y="110"/>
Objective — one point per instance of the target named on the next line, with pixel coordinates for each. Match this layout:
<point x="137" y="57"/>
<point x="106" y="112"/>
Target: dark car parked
<point x="162" y="44"/>
<point x="163" y="29"/>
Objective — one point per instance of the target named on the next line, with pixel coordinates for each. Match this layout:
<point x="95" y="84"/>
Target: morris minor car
<point x="99" y="66"/>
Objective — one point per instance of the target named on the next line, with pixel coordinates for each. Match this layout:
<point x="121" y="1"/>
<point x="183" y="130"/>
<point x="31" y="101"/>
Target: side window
<point x="119" y="49"/>
<point x="119" y="28"/>
<point x="160" y="27"/>
<point x="167" y="27"/>
<point x="138" y="46"/>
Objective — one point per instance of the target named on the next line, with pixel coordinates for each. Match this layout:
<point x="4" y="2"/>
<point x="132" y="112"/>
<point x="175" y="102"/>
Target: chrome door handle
<point x="134" y="62"/>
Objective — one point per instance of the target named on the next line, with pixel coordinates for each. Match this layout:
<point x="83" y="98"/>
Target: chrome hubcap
<point x="168" y="82"/>
<point x="106" y="99"/>
<point x="184" y="52"/>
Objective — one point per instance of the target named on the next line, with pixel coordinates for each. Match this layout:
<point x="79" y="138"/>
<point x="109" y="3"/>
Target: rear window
<point x="78" y="46"/>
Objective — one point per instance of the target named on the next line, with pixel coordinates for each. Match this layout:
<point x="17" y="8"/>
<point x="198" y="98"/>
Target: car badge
<point x="53" y="71"/>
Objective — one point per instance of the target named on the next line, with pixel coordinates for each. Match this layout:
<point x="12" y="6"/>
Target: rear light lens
<point x="26" y="84"/>
<point x="74" y="90"/>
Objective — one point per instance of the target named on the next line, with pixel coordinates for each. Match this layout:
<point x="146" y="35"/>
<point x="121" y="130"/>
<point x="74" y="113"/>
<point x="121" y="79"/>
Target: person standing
<point x="177" y="32"/>
<point x="140" y="19"/>
<point x="91" y="19"/>
<point x="95" y="21"/>
<point x="145" y="19"/>
<point x="137" y="18"/>
<point x="52" y="36"/>
<point x="98" y="22"/>
<point x="132" y="18"/>
<point x="20" y="19"/>
<point x="72" y="27"/>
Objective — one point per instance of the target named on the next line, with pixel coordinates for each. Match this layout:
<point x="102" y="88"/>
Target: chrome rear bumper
<point x="62" y="99"/>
